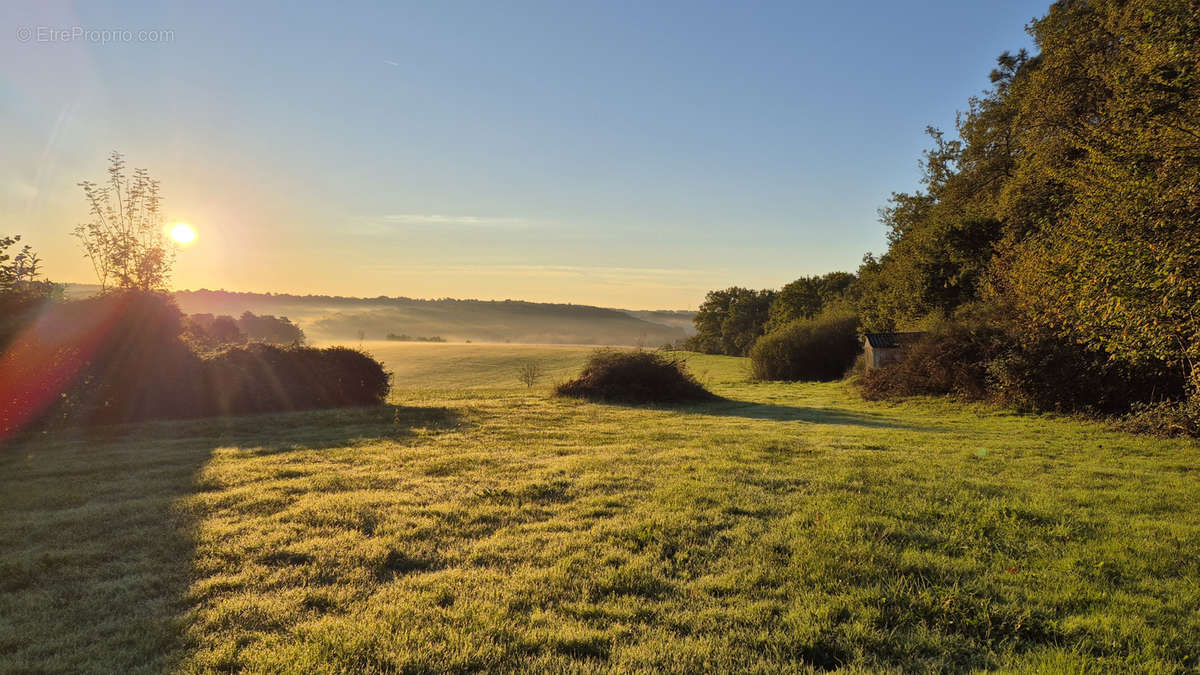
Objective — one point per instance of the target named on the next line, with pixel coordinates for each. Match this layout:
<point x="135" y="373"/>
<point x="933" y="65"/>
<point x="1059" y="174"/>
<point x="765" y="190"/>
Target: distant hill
<point x="324" y="317"/>
<point x="680" y="318"/>
<point x="341" y="318"/>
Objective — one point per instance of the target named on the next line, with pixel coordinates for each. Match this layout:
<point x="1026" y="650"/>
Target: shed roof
<point x="890" y="340"/>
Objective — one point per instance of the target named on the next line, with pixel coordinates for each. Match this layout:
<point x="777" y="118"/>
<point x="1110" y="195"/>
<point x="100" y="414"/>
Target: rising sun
<point x="183" y="233"/>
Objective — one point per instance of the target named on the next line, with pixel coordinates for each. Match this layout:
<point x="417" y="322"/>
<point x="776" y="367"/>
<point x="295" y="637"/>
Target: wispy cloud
<point x="20" y="189"/>
<point x="390" y="62"/>
<point x="391" y="224"/>
<point x="462" y="221"/>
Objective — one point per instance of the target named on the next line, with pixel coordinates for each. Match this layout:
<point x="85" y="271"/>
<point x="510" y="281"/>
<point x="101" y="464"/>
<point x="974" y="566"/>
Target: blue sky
<point x="620" y="154"/>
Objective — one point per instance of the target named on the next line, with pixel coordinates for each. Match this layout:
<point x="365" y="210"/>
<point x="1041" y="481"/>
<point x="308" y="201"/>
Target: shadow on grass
<point x="283" y="432"/>
<point x="335" y="428"/>
<point x="749" y="410"/>
<point x="788" y="413"/>
<point x="95" y="547"/>
<point x="723" y="407"/>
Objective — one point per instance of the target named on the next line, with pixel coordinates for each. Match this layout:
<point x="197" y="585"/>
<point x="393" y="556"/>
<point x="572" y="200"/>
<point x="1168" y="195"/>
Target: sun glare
<point x="183" y="233"/>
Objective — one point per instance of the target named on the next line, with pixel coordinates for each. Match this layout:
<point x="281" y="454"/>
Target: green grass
<point x="477" y="525"/>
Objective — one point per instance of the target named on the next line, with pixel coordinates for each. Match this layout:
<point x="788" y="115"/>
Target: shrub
<point x="821" y="349"/>
<point x="1164" y="418"/>
<point x="1020" y="368"/>
<point x="634" y="377"/>
<point x="529" y="373"/>
<point x="122" y="359"/>
<point x="950" y="359"/>
<point x="18" y="310"/>
<point x="262" y="378"/>
<point x="1047" y="372"/>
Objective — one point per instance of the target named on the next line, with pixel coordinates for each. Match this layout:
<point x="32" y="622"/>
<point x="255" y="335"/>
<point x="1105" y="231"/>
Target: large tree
<point x="942" y="239"/>
<point x="730" y="320"/>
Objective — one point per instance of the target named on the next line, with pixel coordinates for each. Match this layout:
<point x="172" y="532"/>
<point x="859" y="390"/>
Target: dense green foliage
<point x="1116" y="97"/>
<point x="729" y="321"/>
<point x="807" y="297"/>
<point x="1069" y="203"/>
<point x="788" y="528"/>
<point x="1036" y="370"/>
<point x="817" y="349"/>
<point x="639" y="376"/>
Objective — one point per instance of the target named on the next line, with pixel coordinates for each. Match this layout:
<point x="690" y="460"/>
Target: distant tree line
<point x="409" y="338"/>
<point x="207" y="330"/>
<point x="1052" y="255"/>
<point x="459" y="319"/>
<point x="506" y="306"/>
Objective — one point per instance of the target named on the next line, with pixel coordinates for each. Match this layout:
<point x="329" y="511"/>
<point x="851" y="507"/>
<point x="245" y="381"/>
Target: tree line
<point x="1057" y="233"/>
<point x="206" y="330"/>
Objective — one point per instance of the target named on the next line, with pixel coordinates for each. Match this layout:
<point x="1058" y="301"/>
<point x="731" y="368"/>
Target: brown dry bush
<point x="635" y="377"/>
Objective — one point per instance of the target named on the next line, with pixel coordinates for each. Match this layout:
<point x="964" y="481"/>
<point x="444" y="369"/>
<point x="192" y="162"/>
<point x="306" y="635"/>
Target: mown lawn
<point x="791" y="528"/>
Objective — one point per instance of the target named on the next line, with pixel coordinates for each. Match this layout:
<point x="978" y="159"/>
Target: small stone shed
<point x="884" y="348"/>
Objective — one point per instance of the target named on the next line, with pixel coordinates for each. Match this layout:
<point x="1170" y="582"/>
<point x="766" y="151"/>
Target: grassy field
<point x="474" y="524"/>
<point x="452" y="366"/>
